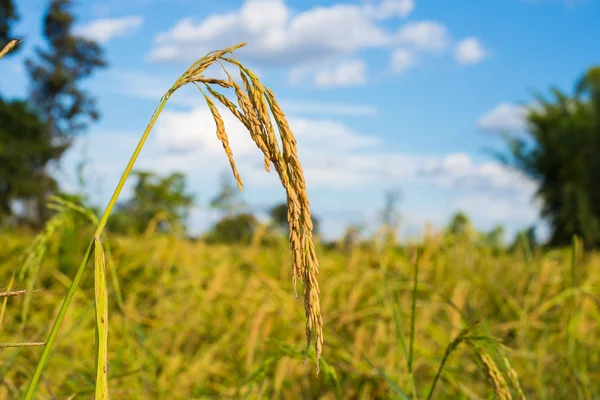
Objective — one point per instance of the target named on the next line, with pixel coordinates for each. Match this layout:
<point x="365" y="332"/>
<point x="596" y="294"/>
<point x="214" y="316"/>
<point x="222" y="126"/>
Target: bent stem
<point x="69" y="296"/>
<point x="254" y="114"/>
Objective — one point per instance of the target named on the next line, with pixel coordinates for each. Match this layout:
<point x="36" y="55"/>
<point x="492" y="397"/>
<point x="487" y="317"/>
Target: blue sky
<point x="381" y="95"/>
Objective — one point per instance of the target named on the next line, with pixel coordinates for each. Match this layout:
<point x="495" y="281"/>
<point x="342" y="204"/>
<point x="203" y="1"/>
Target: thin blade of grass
<point x="461" y="337"/>
<point x="6" y="295"/>
<point x="574" y="260"/>
<point x="395" y="388"/>
<point x="305" y="263"/>
<point x="101" y="321"/>
<point x="395" y="313"/>
<point x="413" y="316"/>
<point x="28" y="344"/>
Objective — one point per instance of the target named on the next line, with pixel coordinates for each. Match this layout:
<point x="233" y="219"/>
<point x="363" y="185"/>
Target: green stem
<point x="438" y="373"/>
<point x="413" y="317"/>
<point x="71" y="292"/>
<point x="414" y="311"/>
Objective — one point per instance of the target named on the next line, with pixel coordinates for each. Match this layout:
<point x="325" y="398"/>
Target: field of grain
<point x="160" y="316"/>
<point x="189" y="320"/>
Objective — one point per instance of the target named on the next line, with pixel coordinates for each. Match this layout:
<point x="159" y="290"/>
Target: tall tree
<point x="460" y="225"/>
<point x="25" y="148"/>
<point x="228" y="200"/>
<point x="238" y="228"/>
<point x="55" y="77"/>
<point x="562" y="154"/>
<point x="153" y="196"/>
<point x="8" y="17"/>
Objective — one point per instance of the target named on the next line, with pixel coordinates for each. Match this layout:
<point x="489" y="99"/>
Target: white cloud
<point x="278" y="36"/>
<point x="469" y="51"/>
<point x="331" y="109"/>
<point x="336" y="159"/>
<point x="505" y="117"/>
<point x="390" y="8"/>
<point x="428" y="36"/>
<point x="103" y="30"/>
<point x="489" y="209"/>
<point x="347" y="73"/>
<point x="333" y="155"/>
<point x="275" y="35"/>
<point x="146" y="86"/>
<point x="459" y="171"/>
<point x="402" y="60"/>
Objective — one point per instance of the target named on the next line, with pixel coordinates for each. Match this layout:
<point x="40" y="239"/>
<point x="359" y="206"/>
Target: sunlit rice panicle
<point x="254" y="103"/>
<point x="514" y="377"/>
<point x="498" y="382"/>
<point x="257" y="99"/>
<point x="260" y="143"/>
<point x="8" y="48"/>
<point x="305" y="263"/>
<point x="253" y="113"/>
<point x="222" y="135"/>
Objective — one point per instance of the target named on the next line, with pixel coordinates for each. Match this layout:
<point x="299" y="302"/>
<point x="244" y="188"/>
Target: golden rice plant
<point x="4" y="296"/>
<point x="9" y="47"/>
<point x="101" y="298"/>
<point x="256" y="108"/>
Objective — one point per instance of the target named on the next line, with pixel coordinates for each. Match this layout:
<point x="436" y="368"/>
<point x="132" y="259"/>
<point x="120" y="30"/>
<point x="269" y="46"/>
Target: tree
<point x="494" y="238"/>
<point x="524" y="240"/>
<point x="390" y="217"/>
<point x="8" y="17"/>
<point x="562" y="154"/>
<point x="389" y="214"/>
<point x="25" y="148"/>
<point x="238" y="228"/>
<point x="153" y="197"/>
<point x="63" y="106"/>
<point x="228" y="200"/>
<point x="460" y="225"/>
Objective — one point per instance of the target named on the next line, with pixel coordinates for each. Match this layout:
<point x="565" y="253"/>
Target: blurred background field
<point x="199" y="320"/>
<point x="476" y="277"/>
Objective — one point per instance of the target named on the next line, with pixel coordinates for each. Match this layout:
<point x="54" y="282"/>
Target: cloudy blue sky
<point x="381" y="95"/>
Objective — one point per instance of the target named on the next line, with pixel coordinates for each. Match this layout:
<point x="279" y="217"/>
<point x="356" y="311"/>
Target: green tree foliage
<point x="525" y="240"/>
<point x="55" y="77"/>
<point x="236" y="225"/>
<point x="163" y="199"/>
<point x="58" y="70"/>
<point x="389" y="214"/>
<point x="460" y="225"/>
<point x="562" y="154"/>
<point x="25" y="148"/>
<point x="494" y="239"/>
<point x="8" y="17"/>
<point x="228" y="200"/>
<point x="239" y="228"/>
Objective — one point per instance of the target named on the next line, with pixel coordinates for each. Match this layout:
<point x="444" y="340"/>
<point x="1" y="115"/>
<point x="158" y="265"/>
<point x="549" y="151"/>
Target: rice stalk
<point x="101" y="321"/>
<point x="33" y="256"/>
<point x="494" y="375"/>
<point x="6" y="295"/>
<point x="413" y="317"/>
<point x="513" y="377"/>
<point x="9" y="47"/>
<point x="27" y="344"/>
<point x="463" y="336"/>
<point x="304" y="260"/>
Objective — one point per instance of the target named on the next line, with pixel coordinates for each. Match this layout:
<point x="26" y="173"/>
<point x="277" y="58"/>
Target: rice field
<point x="161" y="316"/>
<point x="189" y="320"/>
